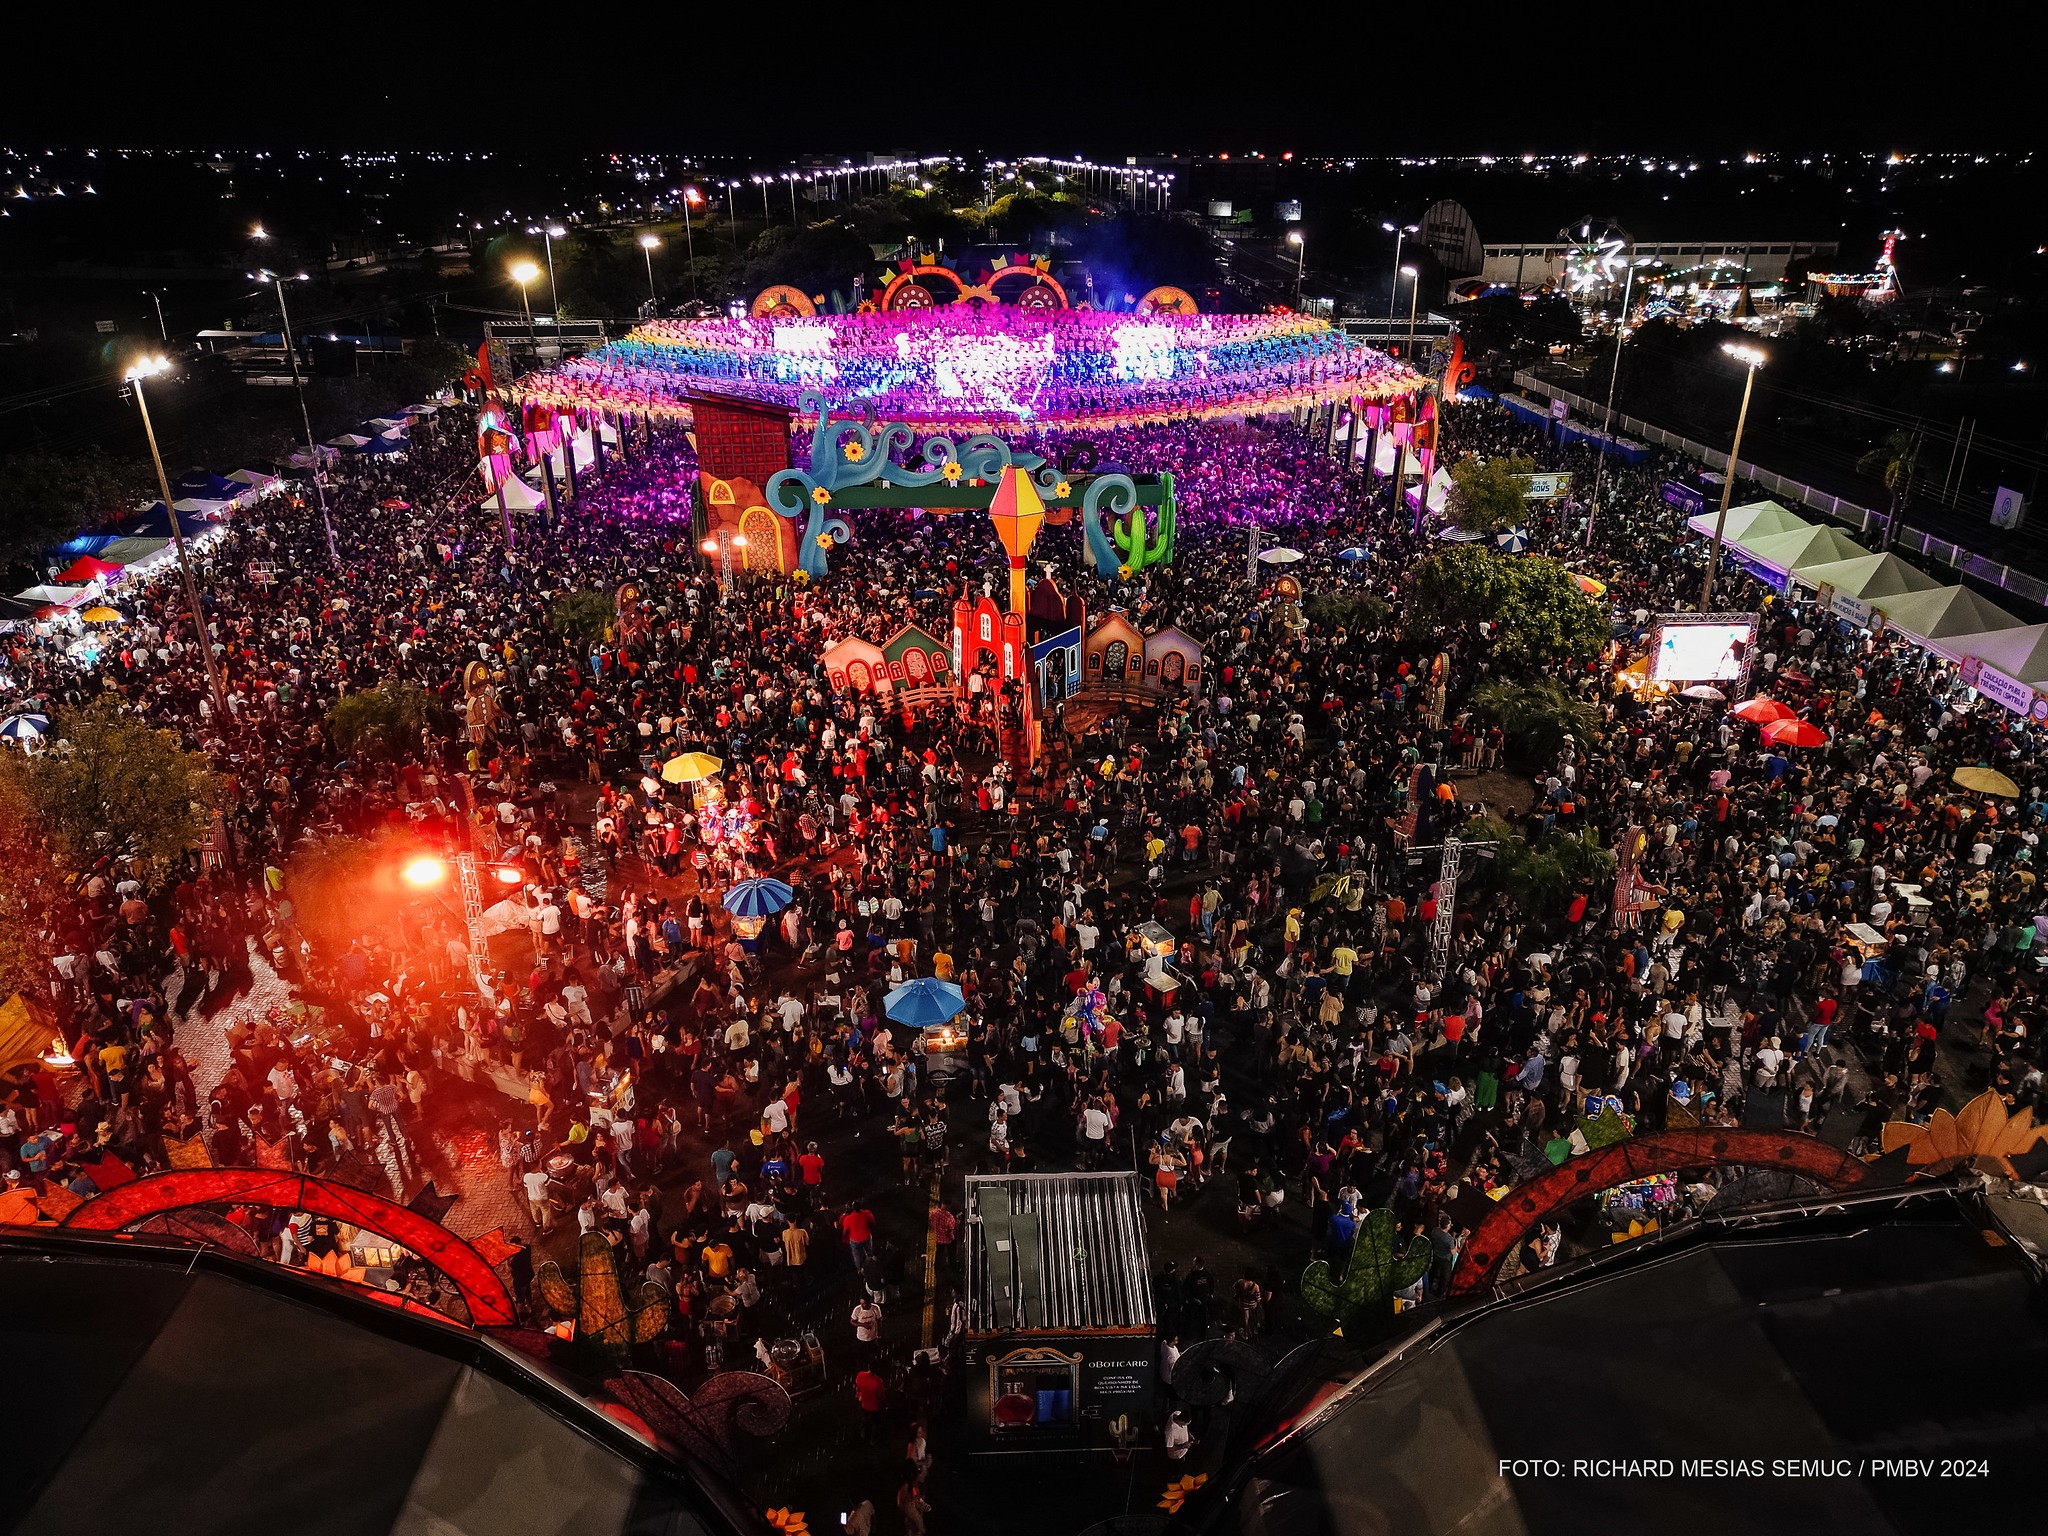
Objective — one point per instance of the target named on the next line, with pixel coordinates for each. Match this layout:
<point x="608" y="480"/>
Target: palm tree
<point x="1892" y="461"/>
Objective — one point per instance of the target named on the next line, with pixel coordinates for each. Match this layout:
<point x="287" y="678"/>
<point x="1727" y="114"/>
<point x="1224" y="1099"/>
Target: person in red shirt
<point x="811" y="1164"/>
<point x="858" y="1227"/>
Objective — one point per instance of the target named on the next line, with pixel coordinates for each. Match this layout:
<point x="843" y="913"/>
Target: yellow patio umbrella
<point x="691" y="767"/>
<point x="100" y="613"/>
<point x="1987" y="781"/>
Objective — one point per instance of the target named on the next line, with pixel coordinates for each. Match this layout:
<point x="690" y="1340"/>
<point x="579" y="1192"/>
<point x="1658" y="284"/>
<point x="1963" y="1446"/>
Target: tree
<point x="1538" y="616"/>
<point x="1892" y="461"/>
<point x="115" y="785"/>
<point x="45" y="498"/>
<point x="1349" y="611"/>
<point x="385" y="721"/>
<point x="1534" y="717"/>
<point x="1539" y="873"/>
<point x="584" y="615"/>
<point x="1486" y="494"/>
<point x="30" y="885"/>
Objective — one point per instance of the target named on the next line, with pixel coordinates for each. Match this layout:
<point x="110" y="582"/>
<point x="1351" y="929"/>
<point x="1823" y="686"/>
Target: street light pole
<point x="1400" y="232"/>
<point x="1752" y="359"/>
<point x="162" y="329"/>
<point x="554" y="297"/>
<point x="306" y="417"/>
<point x="647" y="245"/>
<point x="1414" y="291"/>
<point x="690" y="194"/>
<point x="524" y="272"/>
<point x="1607" y="425"/>
<point x="214" y="684"/>
<point x="1294" y="238"/>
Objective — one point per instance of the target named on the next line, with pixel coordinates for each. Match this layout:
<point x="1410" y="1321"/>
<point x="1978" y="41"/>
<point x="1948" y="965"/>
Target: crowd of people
<point x="732" y="1111"/>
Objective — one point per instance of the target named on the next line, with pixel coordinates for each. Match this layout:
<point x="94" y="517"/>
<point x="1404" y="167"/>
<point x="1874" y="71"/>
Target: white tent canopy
<point x="348" y="440"/>
<point x="1811" y="546"/>
<point x="56" y="596"/>
<point x="2019" y="653"/>
<point x="1950" y="615"/>
<point x="194" y="506"/>
<point x="1758" y="518"/>
<point x="519" y="497"/>
<point x="255" y="479"/>
<point x="1869" y="576"/>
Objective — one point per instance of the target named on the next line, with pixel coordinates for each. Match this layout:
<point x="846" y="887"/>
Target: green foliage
<point x="1353" y="612"/>
<point x="30" y="885"/>
<point x="1892" y="462"/>
<point x="1540" y="873"/>
<point x="385" y="721"/>
<point x="1486" y="494"/>
<point x="1539" y="616"/>
<point x="1535" y="717"/>
<point x="1371" y="1278"/>
<point x="45" y="498"/>
<point x="120" y="787"/>
<point x="584" y="615"/>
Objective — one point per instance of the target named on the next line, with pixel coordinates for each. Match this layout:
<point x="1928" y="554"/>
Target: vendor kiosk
<point x="1158" y="946"/>
<point x="1060" y="1351"/>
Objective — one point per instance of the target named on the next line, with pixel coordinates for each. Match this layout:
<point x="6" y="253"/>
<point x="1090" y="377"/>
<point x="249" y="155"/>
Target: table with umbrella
<point x="1794" y="733"/>
<point x="24" y="727"/>
<point x="930" y="1005"/>
<point x="752" y="902"/>
<point x="1355" y="552"/>
<point x="1512" y="540"/>
<point x="1279" y="556"/>
<point x="1705" y="691"/>
<point x="1760" y="711"/>
<point x="1986" y="781"/>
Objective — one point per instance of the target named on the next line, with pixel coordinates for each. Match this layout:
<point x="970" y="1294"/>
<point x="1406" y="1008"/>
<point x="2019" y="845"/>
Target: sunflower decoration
<point x="1984" y="1136"/>
<point x="1635" y="1230"/>
<point x="825" y="541"/>
<point x="820" y="495"/>
<point x="854" y="451"/>
<point x="1123" y="573"/>
<point x="1063" y="490"/>
<point x="790" y="1522"/>
<point x="952" y="471"/>
<point x="801" y="576"/>
<point x="1178" y="1491"/>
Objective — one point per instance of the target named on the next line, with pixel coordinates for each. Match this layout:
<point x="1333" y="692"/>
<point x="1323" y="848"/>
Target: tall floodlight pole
<point x="1751" y="359"/>
<point x="291" y="352"/>
<point x="149" y="368"/>
<point x="1607" y="425"/>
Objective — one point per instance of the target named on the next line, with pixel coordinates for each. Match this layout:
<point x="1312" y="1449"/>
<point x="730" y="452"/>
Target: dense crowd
<point x="659" y="1078"/>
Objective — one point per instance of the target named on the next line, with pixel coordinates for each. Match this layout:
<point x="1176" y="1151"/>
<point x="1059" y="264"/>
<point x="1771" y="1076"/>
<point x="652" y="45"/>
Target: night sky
<point x="880" y="78"/>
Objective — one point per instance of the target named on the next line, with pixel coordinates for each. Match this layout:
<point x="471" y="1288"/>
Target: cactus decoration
<point x="1376" y="1272"/>
<point x="1140" y="546"/>
<point x="608" y="1321"/>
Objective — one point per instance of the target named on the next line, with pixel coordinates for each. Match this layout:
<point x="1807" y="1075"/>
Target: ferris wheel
<point x="1595" y="255"/>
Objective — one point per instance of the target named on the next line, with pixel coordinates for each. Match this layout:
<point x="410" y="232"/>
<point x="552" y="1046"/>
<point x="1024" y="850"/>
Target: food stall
<point x="1060" y="1352"/>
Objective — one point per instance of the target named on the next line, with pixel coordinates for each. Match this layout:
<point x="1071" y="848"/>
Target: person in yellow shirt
<point x="1155" y="845"/>
<point x="942" y="965"/>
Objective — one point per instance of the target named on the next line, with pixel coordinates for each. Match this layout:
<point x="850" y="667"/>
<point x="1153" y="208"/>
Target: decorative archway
<point x="126" y="1205"/>
<point x="1638" y="1158"/>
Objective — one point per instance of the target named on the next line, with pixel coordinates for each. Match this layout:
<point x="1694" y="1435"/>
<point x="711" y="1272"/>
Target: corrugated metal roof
<point x="1059" y="1251"/>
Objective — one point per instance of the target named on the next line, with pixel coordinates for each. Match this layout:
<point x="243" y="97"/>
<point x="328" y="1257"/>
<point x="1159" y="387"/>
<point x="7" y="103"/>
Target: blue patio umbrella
<point x="927" y="1000"/>
<point x="1513" y="540"/>
<point x="1355" y="552"/>
<point x="23" y="727"/>
<point x="758" y="897"/>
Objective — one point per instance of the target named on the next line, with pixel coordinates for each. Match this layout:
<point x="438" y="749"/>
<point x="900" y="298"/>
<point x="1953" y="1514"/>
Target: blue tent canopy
<point x="203" y="485"/>
<point x="84" y="544"/>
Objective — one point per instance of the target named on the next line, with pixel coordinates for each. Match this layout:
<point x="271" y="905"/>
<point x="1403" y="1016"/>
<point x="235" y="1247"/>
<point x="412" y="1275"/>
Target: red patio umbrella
<point x="1794" y="733"/>
<point x="1761" y="711"/>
